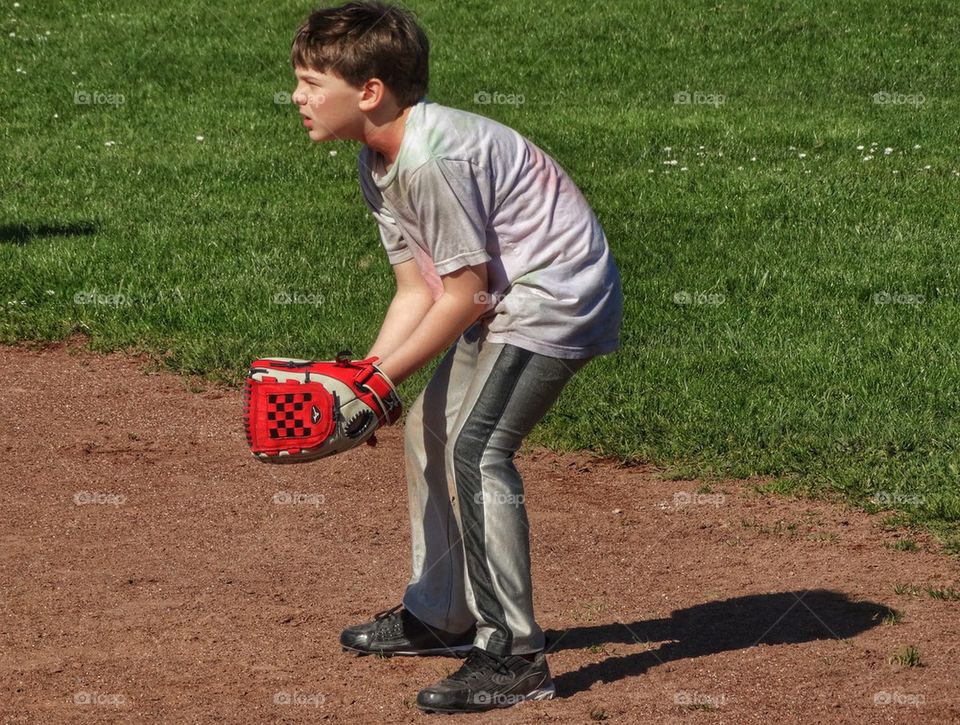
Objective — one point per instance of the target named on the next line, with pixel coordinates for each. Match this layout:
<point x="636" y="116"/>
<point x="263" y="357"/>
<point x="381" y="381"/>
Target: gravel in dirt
<point x="152" y="570"/>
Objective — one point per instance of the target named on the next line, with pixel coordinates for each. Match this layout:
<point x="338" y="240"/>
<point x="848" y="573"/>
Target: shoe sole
<point x="541" y="693"/>
<point x="455" y="650"/>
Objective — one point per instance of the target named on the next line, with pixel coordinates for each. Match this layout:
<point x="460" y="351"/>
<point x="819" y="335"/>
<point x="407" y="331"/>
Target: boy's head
<point x="354" y="59"/>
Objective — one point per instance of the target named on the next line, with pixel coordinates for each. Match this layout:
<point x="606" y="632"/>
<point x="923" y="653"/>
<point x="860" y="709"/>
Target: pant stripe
<point x="468" y="453"/>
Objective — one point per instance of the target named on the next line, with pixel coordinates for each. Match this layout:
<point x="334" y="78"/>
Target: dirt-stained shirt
<point x="466" y="190"/>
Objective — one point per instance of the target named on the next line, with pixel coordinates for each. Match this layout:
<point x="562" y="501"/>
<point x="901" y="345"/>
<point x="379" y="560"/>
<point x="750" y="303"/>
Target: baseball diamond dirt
<point x="152" y="570"/>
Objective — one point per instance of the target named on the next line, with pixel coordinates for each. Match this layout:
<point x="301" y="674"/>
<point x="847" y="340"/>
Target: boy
<point x="495" y="249"/>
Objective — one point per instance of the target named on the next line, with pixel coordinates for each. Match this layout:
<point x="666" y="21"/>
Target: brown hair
<point x="363" y="40"/>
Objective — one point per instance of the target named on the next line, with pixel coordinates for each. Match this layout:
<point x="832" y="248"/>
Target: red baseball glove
<point x="300" y="410"/>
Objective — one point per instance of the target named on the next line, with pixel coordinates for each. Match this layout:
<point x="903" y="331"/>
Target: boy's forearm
<point x="444" y="322"/>
<point x="405" y="312"/>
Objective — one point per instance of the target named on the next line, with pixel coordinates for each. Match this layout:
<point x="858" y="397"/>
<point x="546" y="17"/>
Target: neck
<point x="386" y="136"/>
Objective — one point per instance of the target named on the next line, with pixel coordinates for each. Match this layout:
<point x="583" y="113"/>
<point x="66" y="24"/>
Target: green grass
<point x="906" y="657"/>
<point x="788" y="360"/>
<point x="892" y="616"/>
<point x="933" y="591"/>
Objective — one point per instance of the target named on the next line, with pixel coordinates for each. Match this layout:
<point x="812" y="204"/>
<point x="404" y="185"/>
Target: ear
<point x="371" y="95"/>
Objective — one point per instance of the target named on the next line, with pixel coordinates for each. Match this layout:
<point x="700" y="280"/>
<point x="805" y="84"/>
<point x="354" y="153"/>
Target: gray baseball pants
<point x="468" y="522"/>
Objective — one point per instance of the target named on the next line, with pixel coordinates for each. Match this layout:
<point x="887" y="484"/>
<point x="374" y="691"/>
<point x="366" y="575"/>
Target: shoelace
<point x="387" y="612"/>
<point x="477" y="661"/>
<point x="389" y="620"/>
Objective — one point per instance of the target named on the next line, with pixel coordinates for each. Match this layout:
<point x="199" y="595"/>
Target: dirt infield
<point x="153" y="571"/>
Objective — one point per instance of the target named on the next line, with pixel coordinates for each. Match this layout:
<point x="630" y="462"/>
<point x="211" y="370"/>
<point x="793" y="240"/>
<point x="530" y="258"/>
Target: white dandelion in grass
<point x="200" y="139"/>
<point x="916" y="146"/>
<point x="867" y="158"/>
<point x="802" y="155"/>
<point x="668" y="149"/>
<point x="109" y="143"/>
<point x="860" y="147"/>
<point x="333" y="152"/>
<point x="671" y="162"/>
<point x="887" y="151"/>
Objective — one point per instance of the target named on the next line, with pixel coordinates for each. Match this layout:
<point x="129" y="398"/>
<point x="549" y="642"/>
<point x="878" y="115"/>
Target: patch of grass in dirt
<point x="942" y="593"/>
<point x="906" y="657"/>
<point x="903" y="545"/>
<point x="891" y="616"/>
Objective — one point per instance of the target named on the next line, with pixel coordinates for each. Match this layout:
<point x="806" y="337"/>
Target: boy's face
<point x="328" y="105"/>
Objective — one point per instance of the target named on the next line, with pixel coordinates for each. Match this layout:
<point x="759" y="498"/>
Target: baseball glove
<point x="301" y="410"/>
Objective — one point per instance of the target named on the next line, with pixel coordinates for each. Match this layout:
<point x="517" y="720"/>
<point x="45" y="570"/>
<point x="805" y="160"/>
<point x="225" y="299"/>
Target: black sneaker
<point x="395" y="632"/>
<point x="486" y="682"/>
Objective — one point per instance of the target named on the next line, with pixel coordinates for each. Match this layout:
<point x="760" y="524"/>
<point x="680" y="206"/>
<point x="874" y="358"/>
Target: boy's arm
<point x="409" y="305"/>
<point x="445" y="320"/>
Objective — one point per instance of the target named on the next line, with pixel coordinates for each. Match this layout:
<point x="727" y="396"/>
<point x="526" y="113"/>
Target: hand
<point x="299" y="410"/>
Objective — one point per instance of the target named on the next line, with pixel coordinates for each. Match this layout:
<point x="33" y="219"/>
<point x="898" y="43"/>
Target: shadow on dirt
<point x="731" y="624"/>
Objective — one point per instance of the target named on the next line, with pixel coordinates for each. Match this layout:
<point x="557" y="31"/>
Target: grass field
<point x="778" y="181"/>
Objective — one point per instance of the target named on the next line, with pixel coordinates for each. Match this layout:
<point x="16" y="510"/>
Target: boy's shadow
<point x="731" y="624"/>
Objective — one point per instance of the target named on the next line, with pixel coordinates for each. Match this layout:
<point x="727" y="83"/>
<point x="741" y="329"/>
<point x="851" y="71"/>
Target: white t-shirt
<point x="466" y="189"/>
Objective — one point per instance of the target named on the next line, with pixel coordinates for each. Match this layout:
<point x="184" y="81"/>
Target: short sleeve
<point x="390" y="234"/>
<point x="452" y="201"/>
